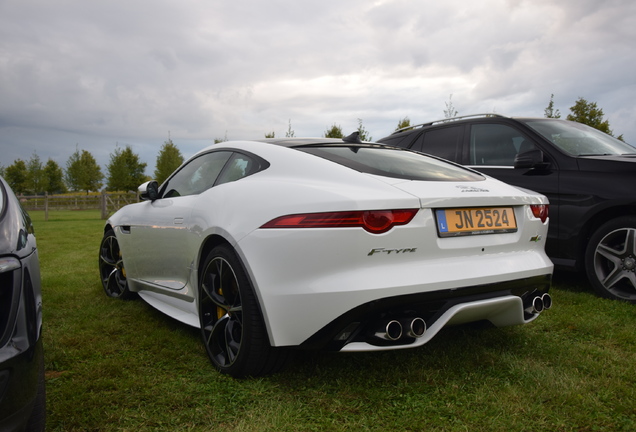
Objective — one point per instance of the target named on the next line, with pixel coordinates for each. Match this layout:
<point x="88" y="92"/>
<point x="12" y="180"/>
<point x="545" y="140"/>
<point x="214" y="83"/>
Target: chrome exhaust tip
<point x="415" y="327"/>
<point x="547" y="301"/>
<point x="536" y="307"/>
<point x="392" y="330"/>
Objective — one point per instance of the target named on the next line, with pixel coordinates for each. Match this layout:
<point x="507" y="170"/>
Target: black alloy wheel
<point x="611" y="259"/>
<point x="111" y="268"/>
<point x="232" y="326"/>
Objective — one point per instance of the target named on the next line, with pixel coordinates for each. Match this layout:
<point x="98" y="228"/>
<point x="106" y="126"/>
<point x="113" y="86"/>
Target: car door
<point x="491" y="148"/>
<point x="160" y="236"/>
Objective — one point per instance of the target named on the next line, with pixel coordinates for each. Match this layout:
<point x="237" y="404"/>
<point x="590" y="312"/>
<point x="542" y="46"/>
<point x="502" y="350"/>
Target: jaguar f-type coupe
<point x="327" y="244"/>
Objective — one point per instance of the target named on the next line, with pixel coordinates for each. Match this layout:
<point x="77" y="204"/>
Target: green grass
<point x="121" y="366"/>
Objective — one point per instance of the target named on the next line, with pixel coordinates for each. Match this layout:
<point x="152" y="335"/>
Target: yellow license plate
<point x="471" y="221"/>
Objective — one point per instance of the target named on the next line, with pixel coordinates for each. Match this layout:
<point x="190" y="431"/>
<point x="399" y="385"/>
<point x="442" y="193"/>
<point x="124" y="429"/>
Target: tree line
<point x="125" y="171"/>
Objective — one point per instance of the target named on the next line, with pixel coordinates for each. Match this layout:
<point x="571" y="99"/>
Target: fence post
<point x="103" y="204"/>
<point x="46" y="206"/>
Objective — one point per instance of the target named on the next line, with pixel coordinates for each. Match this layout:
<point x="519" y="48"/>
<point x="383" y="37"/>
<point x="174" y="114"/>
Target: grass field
<point x="121" y="366"/>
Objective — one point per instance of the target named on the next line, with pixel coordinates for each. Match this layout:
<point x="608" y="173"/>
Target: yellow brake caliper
<point x="219" y="310"/>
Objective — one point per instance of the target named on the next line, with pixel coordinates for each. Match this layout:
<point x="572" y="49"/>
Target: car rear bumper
<point x="502" y="304"/>
<point x="306" y="279"/>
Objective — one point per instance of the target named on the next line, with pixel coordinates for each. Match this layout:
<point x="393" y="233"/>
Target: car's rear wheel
<point x="111" y="268"/>
<point x="610" y="259"/>
<point x="232" y="326"/>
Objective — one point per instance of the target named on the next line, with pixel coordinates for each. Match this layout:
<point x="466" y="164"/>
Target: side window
<point x="239" y="166"/>
<point x="198" y="175"/>
<point x="440" y="142"/>
<point x="496" y="144"/>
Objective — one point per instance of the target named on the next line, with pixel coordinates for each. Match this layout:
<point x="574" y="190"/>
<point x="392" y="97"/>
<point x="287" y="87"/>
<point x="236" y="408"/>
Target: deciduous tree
<point x="335" y="131"/>
<point x="290" y="132"/>
<point x="403" y="123"/>
<point x="590" y="114"/>
<point x="16" y="175"/>
<point x="125" y="170"/>
<point x="364" y="134"/>
<point x="220" y="140"/>
<point x="168" y="160"/>
<point x="82" y="172"/>
<point x="450" y="110"/>
<point x="550" y="112"/>
<point x="36" y="183"/>
<point x="53" y="177"/>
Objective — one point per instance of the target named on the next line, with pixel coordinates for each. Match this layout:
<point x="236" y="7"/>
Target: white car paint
<point x="305" y="279"/>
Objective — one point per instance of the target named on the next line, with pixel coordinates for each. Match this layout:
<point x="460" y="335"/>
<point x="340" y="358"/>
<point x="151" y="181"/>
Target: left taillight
<point x="373" y="221"/>
<point x="540" y="211"/>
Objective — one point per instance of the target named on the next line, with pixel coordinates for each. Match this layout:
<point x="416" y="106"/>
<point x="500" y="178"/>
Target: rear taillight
<point x="374" y="221"/>
<point x="540" y="211"/>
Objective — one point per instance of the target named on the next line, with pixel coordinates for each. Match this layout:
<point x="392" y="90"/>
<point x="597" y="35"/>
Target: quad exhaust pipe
<point x="539" y="304"/>
<point x="396" y="329"/>
<point x="415" y="327"/>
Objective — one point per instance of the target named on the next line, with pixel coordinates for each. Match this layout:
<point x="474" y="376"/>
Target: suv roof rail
<point x="446" y="120"/>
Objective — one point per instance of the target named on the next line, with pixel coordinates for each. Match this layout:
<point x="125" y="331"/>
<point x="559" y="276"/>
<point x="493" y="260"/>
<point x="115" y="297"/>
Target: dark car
<point x="588" y="176"/>
<point x="22" y="388"/>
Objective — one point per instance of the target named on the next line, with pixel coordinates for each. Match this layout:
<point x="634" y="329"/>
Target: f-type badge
<point x="536" y="238"/>
<point x="391" y="251"/>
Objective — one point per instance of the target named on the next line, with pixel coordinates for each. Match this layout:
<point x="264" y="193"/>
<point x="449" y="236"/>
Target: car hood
<point x="610" y="163"/>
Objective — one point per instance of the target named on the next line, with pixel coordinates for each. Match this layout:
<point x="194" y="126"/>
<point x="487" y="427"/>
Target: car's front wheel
<point x="232" y="326"/>
<point x="111" y="268"/>
<point x="610" y="259"/>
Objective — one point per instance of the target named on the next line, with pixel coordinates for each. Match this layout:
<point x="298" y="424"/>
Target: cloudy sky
<point x="94" y="75"/>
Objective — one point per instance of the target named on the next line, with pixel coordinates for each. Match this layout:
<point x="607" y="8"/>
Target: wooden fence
<point x="107" y="203"/>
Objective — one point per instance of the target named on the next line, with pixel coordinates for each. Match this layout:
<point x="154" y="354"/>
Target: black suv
<point x="589" y="177"/>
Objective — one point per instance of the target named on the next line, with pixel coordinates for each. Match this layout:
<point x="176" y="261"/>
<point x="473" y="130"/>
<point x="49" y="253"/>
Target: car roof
<point x="465" y="118"/>
<point x="298" y="142"/>
<point x="354" y="138"/>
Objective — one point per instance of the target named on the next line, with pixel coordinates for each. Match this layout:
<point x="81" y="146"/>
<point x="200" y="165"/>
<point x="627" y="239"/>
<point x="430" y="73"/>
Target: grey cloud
<point x="97" y="73"/>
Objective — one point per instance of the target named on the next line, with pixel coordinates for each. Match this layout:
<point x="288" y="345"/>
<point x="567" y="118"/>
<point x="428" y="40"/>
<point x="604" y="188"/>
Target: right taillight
<point x="540" y="211"/>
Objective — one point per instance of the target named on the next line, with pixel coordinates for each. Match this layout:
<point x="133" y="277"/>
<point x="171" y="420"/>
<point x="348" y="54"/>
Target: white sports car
<point x="327" y="244"/>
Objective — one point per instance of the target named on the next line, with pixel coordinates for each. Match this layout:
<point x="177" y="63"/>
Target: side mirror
<point x="149" y="191"/>
<point x="530" y="159"/>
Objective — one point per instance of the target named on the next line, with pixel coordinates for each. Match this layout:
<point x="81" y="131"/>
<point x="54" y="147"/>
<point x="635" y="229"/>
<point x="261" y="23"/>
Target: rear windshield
<point x="391" y="162"/>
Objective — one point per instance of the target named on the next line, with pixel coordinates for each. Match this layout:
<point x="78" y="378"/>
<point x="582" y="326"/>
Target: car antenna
<point x="353" y="138"/>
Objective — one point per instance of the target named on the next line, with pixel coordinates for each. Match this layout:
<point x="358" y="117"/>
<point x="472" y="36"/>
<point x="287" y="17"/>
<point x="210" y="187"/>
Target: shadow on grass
<point x="575" y="282"/>
<point x="462" y="349"/>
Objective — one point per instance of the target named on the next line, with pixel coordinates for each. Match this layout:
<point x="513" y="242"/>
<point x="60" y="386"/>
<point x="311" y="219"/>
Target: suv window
<point x="440" y="142"/>
<point x="396" y="163"/>
<point x="496" y="145"/>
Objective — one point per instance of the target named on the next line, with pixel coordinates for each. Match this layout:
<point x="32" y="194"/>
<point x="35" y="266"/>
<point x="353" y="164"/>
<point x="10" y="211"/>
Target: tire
<point x="610" y="259"/>
<point x="232" y="326"/>
<point x="111" y="268"/>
